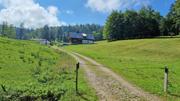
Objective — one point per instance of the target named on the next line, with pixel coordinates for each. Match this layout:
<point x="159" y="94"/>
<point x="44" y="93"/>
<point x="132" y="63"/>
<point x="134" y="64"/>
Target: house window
<point x="85" y="41"/>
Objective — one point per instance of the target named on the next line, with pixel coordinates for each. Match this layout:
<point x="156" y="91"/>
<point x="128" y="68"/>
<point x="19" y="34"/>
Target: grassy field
<point x="29" y="71"/>
<point x="141" y="62"/>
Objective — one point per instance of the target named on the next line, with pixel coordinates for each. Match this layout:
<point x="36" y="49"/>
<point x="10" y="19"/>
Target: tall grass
<point x="29" y="71"/>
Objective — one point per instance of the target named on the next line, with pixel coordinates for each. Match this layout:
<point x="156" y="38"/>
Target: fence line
<point x="168" y="72"/>
<point x="121" y="68"/>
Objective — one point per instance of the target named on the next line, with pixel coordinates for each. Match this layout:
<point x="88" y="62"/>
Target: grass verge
<point x="141" y="62"/>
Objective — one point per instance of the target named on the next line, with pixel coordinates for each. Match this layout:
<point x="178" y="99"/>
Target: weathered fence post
<point x="77" y="67"/>
<point x="166" y="79"/>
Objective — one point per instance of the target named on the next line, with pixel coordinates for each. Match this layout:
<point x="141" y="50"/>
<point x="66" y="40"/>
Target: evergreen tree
<point x="45" y="33"/>
<point x="21" y="31"/>
<point x="11" y="32"/>
<point x="8" y="30"/>
<point x="4" y="29"/>
<point x="60" y="34"/>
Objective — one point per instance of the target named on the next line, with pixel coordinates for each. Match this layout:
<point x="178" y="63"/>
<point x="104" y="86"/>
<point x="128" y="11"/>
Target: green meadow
<point x="30" y="71"/>
<point x="141" y="62"/>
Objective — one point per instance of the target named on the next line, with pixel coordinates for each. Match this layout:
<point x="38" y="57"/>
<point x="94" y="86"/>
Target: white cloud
<point x="109" y="5"/>
<point x="53" y="10"/>
<point x="28" y="12"/>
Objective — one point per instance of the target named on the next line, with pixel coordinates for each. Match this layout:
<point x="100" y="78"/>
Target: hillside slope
<point x="29" y="71"/>
<point x="140" y="61"/>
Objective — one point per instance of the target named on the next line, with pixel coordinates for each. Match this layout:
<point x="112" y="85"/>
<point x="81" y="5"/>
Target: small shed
<point x="42" y="41"/>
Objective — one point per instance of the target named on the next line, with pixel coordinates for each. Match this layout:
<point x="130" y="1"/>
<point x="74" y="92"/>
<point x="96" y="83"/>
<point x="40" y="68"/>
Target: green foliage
<point x="8" y="31"/>
<point x="21" y="32"/>
<point x="58" y="33"/>
<point x="98" y="35"/>
<point x="45" y="33"/>
<point x="165" y="27"/>
<point x="29" y="71"/>
<point x="113" y="27"/>
<point x="132" y="24"/>
<point x="140" y="62"/>
<point x="174" y="17"/>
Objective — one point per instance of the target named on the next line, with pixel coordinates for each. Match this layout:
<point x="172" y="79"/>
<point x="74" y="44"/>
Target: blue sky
<point x="37" y="13"/>
<point x="82" y="14"/>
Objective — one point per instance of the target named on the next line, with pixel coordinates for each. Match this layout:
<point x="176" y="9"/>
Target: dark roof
<point x="90" y="36"/>
<point x="80" y="36"/>
<point x="75" y="35"/>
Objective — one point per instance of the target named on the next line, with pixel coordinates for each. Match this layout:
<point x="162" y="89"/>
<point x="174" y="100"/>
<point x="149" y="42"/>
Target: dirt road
<point x="108" y="85"/>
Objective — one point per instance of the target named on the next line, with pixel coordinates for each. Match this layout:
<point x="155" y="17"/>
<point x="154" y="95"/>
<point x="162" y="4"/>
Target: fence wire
<point x="123" y="67"/>
<point x="173" y="81"/>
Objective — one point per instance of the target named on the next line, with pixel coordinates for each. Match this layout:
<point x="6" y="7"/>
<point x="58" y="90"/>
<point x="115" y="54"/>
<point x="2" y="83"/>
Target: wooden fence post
<point x="166" y="79"/>
<point x="77" y="67"/>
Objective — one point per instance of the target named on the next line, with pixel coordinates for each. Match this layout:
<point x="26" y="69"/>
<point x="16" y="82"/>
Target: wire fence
<point x="171" y="79"/>
<point x="161" y="68"/>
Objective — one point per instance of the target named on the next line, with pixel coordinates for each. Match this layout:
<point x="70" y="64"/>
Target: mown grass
<point x="141" y="62"/>
<point x="29" y="71"/>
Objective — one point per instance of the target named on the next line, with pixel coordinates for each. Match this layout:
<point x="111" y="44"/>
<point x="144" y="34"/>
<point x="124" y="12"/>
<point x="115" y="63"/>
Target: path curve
<point x="110" y="86"/>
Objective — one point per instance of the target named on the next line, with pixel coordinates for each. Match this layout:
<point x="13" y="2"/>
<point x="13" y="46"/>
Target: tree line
<point x="145" y="23"/>
<point x="10" y="31"/>
<point x="59" y="33"/>
<point x="49" y="33"/>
